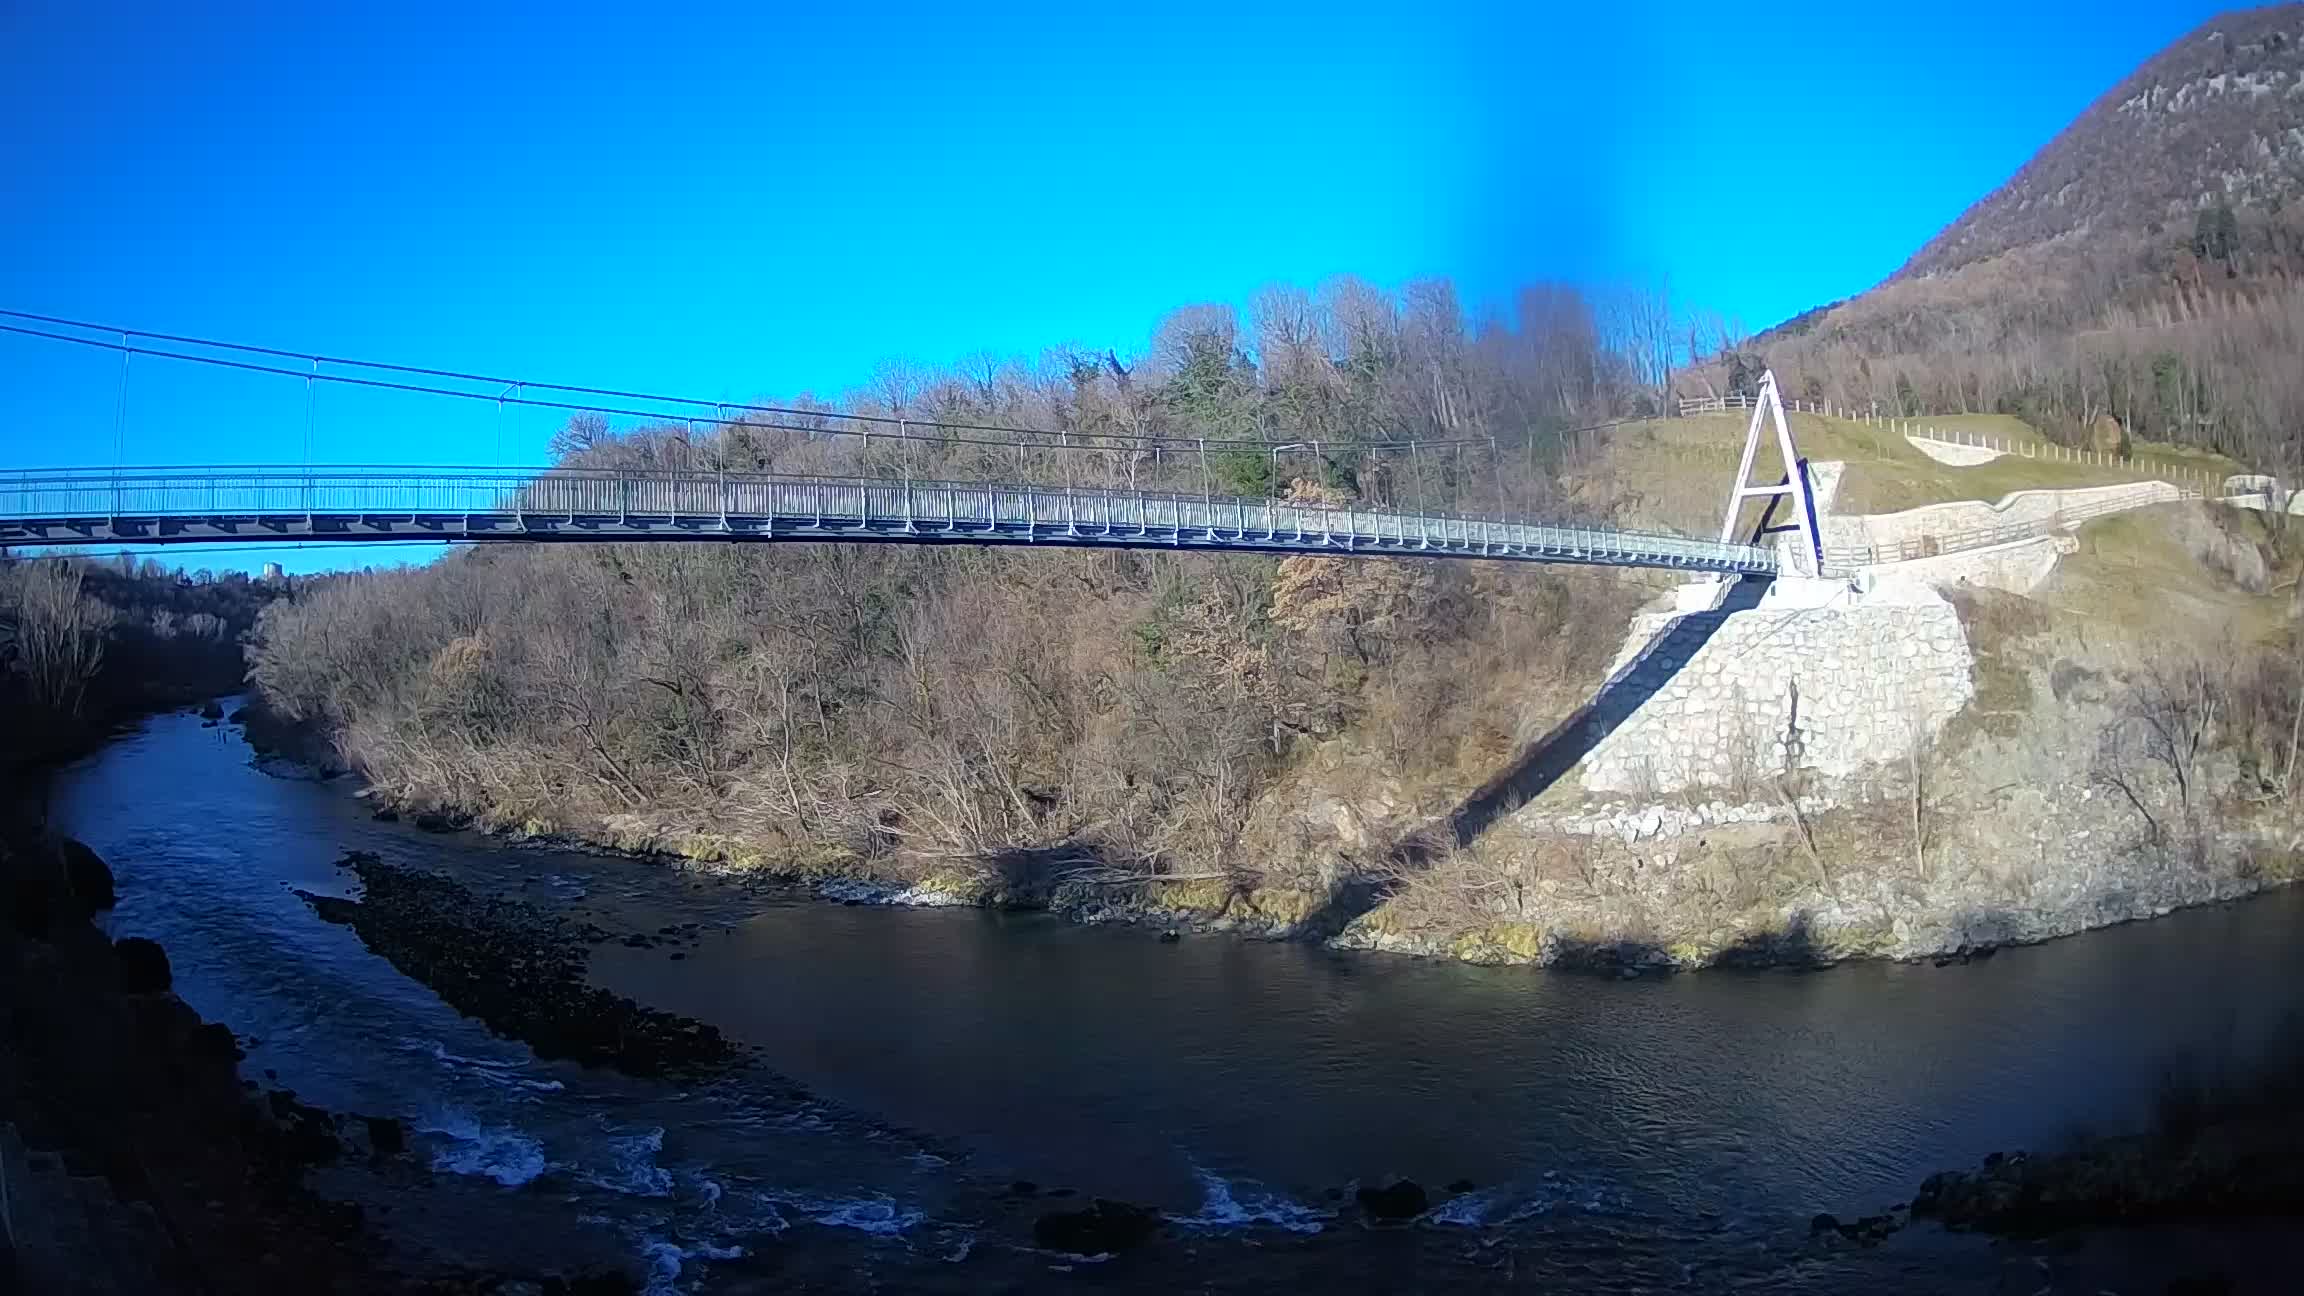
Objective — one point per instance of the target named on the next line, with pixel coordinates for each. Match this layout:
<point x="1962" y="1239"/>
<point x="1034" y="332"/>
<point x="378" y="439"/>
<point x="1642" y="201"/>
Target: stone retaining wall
<point x="2019" y="508"/>
<point x="1730" y="700"/>
<point x="2019" y="567"/>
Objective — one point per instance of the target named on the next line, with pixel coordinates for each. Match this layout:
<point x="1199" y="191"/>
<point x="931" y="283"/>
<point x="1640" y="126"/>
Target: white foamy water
<point x="878" y="1215"/>
<point x="465" y="1146"/>
<point x="631" y="1167"/>
<point x="1514" y="1204"/>
<point x="1228" y="1204"/>
<point x="494" y="1071"/>
<point x="666" y="1260"/>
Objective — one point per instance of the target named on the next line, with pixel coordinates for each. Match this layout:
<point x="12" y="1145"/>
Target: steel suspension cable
<point x="1000" y="436"/>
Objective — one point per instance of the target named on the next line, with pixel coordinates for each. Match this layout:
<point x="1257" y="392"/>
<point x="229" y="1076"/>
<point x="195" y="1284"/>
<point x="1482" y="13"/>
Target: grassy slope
<point x="1674" y="473"/>
<point x="2139" y="570"/>
<point x="2139" y="577"/>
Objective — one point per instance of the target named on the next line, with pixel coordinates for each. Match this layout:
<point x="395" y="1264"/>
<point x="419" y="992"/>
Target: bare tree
<point x="2176" y="705"/>
<point x="60" y="633"/>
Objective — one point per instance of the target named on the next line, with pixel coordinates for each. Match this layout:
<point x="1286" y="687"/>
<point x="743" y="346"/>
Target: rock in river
<point x="1402" y="1199"/>
<point x="1101" y="1228"/>
<point x="517" y="968"/>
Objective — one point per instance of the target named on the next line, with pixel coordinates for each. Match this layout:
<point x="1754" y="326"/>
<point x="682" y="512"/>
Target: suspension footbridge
<point x="149" y="506"/>
<point x="893" y="503"/>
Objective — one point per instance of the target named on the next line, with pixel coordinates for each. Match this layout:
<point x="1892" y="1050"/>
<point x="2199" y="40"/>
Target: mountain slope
<point x="2217" y="116"/>
<point x="2142" y="275"/>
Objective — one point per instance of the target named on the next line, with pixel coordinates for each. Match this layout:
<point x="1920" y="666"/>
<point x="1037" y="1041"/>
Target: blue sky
<point x="751" y="202"/>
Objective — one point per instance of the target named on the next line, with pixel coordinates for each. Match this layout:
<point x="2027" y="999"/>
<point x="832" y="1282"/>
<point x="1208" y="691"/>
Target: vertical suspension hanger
<point x="120" y="424"/>
<point x="510" y="389"/>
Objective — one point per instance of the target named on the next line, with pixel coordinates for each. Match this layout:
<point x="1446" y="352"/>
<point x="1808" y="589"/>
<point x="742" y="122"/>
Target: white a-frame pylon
<point x="1769" y="406"/>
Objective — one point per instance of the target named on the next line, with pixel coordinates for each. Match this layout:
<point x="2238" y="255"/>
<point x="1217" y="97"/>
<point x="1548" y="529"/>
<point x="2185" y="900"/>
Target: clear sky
<point x="751" y="202"/>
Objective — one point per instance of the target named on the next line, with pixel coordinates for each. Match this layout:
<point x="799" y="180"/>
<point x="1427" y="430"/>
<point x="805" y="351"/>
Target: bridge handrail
<point x="394" y="490"/>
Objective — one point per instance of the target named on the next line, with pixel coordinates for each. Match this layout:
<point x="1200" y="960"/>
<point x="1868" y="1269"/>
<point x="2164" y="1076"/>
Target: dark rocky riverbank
<point x="2232" y="1169"/>
<point x="135" y="1156"/>
<point x="518" y="969"/>
<point x="2205" y="1200"/>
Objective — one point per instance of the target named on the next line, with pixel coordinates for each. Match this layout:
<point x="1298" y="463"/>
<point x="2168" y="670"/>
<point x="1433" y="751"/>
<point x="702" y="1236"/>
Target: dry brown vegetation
<point x="908" y="710"/>
<point x="942" y="705"/>
<point x="83" y="643"/>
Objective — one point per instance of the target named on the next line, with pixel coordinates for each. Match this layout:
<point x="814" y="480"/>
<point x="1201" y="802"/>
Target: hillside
<point x="2143" y="275"/>
<point x="2217" y="117"/>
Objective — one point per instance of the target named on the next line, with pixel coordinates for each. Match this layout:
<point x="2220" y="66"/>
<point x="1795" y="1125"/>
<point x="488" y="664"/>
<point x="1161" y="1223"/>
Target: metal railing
<point x="1721" y="404"/>
<point x="86" y="506"/>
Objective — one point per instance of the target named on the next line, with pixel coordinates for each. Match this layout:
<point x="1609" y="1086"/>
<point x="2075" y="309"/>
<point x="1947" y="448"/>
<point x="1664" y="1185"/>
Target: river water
<point x="1669" y="1133"/>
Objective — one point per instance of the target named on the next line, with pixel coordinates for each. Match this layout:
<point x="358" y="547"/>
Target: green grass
<point x="2135" y="570"/>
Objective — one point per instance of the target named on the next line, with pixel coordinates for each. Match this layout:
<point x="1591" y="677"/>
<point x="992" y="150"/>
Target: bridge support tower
<point x="1808" y="550"/>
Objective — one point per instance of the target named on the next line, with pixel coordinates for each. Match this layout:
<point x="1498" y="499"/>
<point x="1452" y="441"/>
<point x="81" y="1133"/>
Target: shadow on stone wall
<point x="1552" y="756"/>
<point x="1541" y="764"/>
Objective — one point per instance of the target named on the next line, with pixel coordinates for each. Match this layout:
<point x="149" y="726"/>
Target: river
<point x="1664" y="1133"/>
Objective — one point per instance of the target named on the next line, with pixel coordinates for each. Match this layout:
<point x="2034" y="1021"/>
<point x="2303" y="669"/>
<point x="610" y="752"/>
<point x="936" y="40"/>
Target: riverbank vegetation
<point x="906" y="711"/>
<point x="1279" y="744"/>
<point x="2224" y="1142"/>
<point x="903" y="711"/>
<point x="84" y="643"/>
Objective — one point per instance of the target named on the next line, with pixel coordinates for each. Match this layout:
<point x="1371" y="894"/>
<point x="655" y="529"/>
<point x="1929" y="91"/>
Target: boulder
<point x="2106" y="436"/>
<point x="143" y="966"/>
<point x="213" y="1042"/>
<point x="1402" y="1199"/>
<point x="1101" y="1228"/>
<point x="387" y="1135"/>
<point x="433" y="821"/>
<point x="211" y="711"/>
<point x="1871" y="1230"/>
<point x="88" y="875"/>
